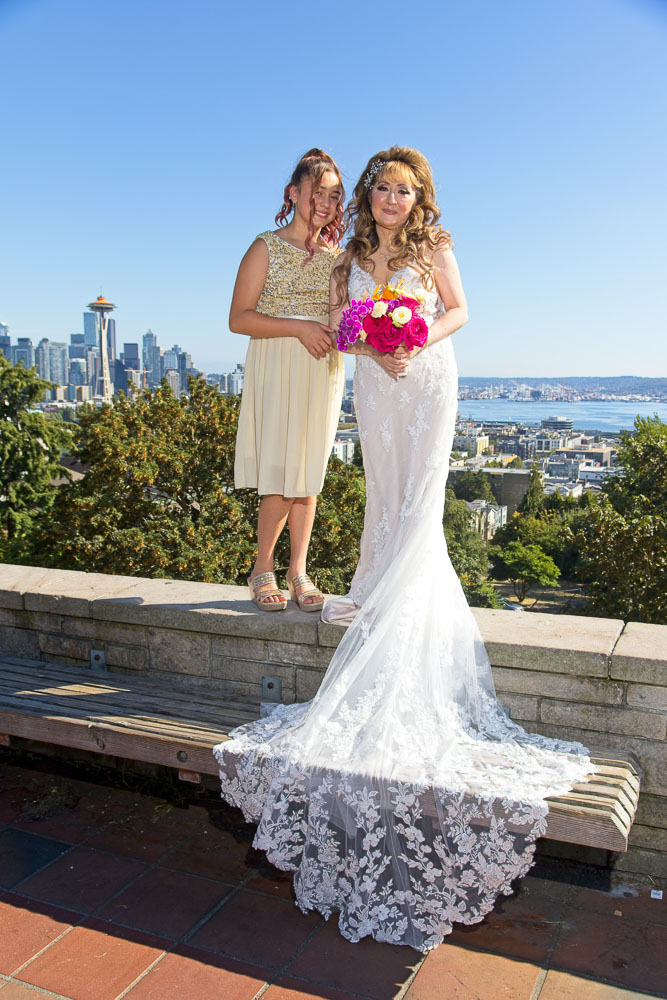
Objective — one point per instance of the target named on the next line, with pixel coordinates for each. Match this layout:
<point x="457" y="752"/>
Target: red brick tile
<point x="83" y="879"/>
<point x="146" y="836"/>
<point x="520" y="926"/>
<point x="214" y="854"/>
<point x="256" y="929"/>
<point x="95" y="961"/>
<point x="287" y="988"/>
<point x="281" y="884"/>
<point x="26" y="927"/>
<point x="14" y="991"/>
<point x="626" y="952"/>
<point x="23" y="853"/>
<point x="189" y="973"/>
<point x="455" y="973"/>
<point x="563" y="986"/>
<point x="372" y="969"/>
<point x="632" y="899"/>
<point x="165" y="903"/>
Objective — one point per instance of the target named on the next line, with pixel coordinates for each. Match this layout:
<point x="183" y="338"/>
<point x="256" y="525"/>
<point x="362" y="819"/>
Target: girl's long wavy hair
<point x="421" y="235"/>
<point x="312" y="166"/>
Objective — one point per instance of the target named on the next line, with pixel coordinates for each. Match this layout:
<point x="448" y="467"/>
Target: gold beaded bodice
<point x="292" y="287"/>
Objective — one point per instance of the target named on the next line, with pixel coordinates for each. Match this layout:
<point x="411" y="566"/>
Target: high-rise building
<point x="78" y="371"/>
<point x="151" y="359"/>
<point x="89" y="329"/>
<point x="170" y="359"/>
<point x="77" y="345"/>
<point x="130" y="357"/>
<point x="23" y="352"/>
<point x="52" y="361"/>
<point x="235" y="383"/>
<point x="5" y="342"/>
<point x="111" y="339"/>
<point x="173" y="381"/>
<point x="92" y="366"/>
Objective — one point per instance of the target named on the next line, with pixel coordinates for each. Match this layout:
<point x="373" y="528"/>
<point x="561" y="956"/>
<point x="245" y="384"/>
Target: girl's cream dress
<point x="291" y="401"/>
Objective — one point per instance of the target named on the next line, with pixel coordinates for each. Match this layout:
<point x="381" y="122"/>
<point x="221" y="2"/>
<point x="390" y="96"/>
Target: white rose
<point x="379" y="309"/>
<point x="401" y="315"/>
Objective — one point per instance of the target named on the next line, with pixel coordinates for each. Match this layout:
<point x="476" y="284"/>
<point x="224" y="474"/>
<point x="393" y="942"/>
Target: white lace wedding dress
<point x="401" y="796"/>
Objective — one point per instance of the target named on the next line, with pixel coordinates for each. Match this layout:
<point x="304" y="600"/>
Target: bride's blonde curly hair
<point x="419" y="238"/>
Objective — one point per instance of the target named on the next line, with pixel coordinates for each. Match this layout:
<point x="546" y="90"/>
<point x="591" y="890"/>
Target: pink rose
<point x="415" y="332"/>
<point x="375" y="325"/>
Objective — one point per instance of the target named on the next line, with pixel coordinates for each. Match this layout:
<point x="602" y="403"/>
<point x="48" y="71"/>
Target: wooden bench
<point x="129" y="717"/>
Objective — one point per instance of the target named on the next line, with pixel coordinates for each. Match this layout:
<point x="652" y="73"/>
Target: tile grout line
<point x="11" y="981"/>
<point x="403" y="992"/>
<point x="46" y="947"/>
<point x="545" y="965"/>
<point x="141" y="975"/>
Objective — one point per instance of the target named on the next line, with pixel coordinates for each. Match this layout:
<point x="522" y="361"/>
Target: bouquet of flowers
<point x="385" y="321"/>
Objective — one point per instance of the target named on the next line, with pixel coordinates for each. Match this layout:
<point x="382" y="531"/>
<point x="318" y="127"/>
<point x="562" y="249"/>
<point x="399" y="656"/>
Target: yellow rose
<point x="401" y="315"/>
<point x="379" y="309"/>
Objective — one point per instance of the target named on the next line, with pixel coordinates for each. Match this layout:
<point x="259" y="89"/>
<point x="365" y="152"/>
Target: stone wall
<point x="588" y="679"/>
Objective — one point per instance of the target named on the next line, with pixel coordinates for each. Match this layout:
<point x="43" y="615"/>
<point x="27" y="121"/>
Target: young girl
<point x="293" y="379"/>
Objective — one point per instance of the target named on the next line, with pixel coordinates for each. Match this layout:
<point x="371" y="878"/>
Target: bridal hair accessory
<point x="386" y="320"/>
<point x="372" y="172"/>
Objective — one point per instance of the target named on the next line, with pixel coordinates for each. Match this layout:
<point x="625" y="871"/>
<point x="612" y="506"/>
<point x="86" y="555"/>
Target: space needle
<point x="103" y="387"/>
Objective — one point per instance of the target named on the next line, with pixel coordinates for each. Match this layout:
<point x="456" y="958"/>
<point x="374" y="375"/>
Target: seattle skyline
<point x="149" y="184"/>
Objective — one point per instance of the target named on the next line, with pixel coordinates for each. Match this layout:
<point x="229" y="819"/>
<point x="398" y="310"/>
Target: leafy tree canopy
<point x="472" y="486"/>
<point x="525" y="566"/>
<point x="30" y="448"/>
<point x="623" y="537"/>
<point x="468" y="553"/>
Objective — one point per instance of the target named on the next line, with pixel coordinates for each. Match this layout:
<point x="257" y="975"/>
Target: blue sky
<point x="145" y="144"/>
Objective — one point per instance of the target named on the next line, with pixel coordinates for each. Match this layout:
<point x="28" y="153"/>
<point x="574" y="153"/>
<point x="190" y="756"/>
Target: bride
<point x="401" y="796"/>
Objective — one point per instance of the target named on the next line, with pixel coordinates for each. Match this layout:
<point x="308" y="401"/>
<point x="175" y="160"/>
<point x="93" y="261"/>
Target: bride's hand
<point x="391" y="363"/>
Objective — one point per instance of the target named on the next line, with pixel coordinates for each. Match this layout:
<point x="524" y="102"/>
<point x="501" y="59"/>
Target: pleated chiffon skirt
<point x="289" y="416"/>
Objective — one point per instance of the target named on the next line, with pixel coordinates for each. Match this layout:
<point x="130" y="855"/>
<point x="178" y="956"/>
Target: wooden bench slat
<point x="196" y="700"/>
<point x="129" y="716"/>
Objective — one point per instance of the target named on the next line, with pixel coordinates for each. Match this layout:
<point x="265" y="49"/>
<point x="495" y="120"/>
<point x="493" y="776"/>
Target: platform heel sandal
<point x="261" y="600"/>
<point x="303" y="580"/>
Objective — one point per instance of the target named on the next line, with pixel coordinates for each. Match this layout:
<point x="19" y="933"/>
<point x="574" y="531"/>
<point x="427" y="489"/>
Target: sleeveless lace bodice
<point x="295" y="285"/>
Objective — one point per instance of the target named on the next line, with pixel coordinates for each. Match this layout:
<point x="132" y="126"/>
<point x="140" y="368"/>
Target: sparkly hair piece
<point x="372" y="172"/>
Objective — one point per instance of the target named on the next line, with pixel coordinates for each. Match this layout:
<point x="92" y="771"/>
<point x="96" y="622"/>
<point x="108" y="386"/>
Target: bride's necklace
<point x="385" y="256"/>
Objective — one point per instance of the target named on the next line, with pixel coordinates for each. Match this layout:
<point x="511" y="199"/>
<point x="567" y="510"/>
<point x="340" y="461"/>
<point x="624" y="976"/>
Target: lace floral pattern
<point x="402" y="797"/>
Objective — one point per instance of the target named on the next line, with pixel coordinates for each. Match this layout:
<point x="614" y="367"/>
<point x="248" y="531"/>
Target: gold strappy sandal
<point x="261" y="580"/>
<point x="303" y="580"/>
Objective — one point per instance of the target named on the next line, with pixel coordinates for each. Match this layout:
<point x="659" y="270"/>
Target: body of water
<point x="611" y="416"/>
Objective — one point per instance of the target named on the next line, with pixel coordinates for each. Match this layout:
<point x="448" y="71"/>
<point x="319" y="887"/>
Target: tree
<point x="623" y="535"/>
<point x="30" y="448"/>
<point x="525" y="566"/>
<point x="533" y="501"/>
<point x="358" y="456"/>
<point x="158" y="499"/>
<point x="468" y="553"/>
<point x="473" y="486"/>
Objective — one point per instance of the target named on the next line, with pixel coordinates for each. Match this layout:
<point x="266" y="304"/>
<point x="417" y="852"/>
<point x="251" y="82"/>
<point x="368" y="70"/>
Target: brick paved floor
<point x="107" y="893"/>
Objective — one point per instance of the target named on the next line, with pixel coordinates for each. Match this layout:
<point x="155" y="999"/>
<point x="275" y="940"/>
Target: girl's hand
<point x="391" y="363"/>
<point x="316" y="337"/>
